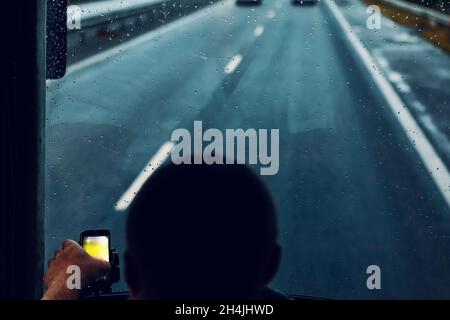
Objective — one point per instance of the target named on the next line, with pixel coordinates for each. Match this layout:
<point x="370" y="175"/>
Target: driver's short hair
<point x="202" y="230"/>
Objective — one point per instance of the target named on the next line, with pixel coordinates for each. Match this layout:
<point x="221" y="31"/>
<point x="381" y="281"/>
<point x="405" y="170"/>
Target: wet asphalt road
<point x="351" y="191"/>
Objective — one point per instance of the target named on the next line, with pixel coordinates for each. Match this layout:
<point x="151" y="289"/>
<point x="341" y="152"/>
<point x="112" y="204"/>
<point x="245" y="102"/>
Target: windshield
<point x="349" y="99"/>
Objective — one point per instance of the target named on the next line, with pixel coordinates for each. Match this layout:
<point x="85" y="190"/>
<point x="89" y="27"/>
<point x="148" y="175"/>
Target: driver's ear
<point x="274" y="264"/>
<point x="131" y="275"/>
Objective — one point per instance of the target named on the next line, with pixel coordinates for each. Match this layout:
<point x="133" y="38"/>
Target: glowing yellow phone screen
<point x="97" y="246"/>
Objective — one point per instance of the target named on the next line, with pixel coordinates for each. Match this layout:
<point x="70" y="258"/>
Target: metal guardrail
<point x="429" y="14"/>
<point x="109" y="11"/>
<point x="106" y="23"/>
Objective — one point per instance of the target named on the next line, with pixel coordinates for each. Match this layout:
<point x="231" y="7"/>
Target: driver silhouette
<point x="193" y="232"/>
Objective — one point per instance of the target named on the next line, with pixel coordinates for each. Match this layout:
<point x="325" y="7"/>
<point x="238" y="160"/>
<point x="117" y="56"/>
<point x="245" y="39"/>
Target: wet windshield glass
<point x="344" y="110"/>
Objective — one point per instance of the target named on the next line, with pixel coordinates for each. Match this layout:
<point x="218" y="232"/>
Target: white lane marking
<point x="405" y="38"/>
<point x="178" y="24"/>
<point x="271" y="14"/>
<point x="418" y="106"/>
<point x="403" y="87"/>
<point x="400" y="84"/>
<point x="395" y="76"/>
<point x="233" y="64"/>
<point x="430" y="158"/>
<point x="127" y="198"/>
<point x="383" y="62"/>
<point x="440" y="137"/>
<point x="259" y="30"/>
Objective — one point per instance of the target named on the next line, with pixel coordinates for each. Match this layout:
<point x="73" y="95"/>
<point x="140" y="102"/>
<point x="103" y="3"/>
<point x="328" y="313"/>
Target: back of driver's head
<point x="201" y="231"/>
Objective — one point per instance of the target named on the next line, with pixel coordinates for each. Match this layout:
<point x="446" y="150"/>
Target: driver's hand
<point x="71" y="253"/>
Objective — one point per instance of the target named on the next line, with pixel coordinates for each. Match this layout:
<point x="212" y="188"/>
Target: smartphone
<point x="97" y="243"/>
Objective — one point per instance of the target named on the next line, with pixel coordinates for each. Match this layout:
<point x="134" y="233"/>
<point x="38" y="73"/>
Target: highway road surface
<point x="353" y="189"/>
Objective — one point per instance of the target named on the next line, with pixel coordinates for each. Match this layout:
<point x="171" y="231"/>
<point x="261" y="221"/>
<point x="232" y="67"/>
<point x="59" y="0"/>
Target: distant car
<point x="304" y="1"/>
<point x="243" y="2"/>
